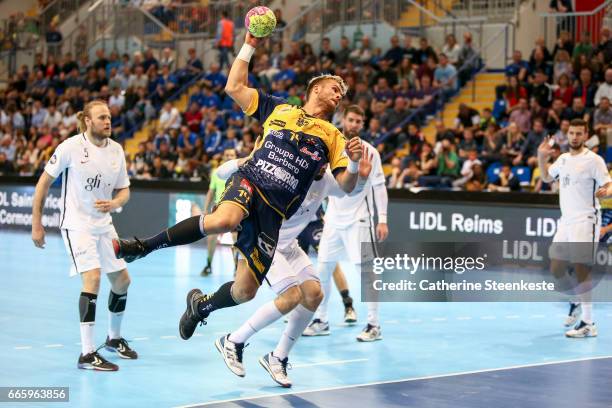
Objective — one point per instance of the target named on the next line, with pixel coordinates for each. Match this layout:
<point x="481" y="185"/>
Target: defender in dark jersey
<point x="267" y="188"/>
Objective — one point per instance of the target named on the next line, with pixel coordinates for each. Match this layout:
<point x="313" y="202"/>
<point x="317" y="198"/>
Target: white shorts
<point x="89" y="251"/>
<point x="575" y="243"/>
<point x="338" y="244"/>
<point x="290" y="267"/>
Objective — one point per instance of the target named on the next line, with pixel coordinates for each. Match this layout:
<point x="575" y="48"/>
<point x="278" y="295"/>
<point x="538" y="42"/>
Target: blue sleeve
<point x="263" y="105"/>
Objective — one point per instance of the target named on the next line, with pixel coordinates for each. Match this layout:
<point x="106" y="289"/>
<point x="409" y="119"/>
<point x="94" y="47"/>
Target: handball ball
<point x="260" y="21"/>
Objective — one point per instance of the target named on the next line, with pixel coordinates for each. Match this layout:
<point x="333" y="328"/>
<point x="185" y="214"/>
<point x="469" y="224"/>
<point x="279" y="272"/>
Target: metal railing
<point x="494" y="10"/>
<point x="60" y="10"/>
<point x="576" y="24"/>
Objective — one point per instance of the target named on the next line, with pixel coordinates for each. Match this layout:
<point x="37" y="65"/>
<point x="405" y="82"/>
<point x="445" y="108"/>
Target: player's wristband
<point x="246" y="52"/>
<point x="353" y="167"/>
<point x="382" y="218"/>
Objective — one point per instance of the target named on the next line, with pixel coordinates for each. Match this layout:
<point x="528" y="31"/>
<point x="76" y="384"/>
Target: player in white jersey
<point x="292" y="277"/>
<point x="92" y="168"/>
<point x="348" y="224"/>
<point x="582" y="177"/>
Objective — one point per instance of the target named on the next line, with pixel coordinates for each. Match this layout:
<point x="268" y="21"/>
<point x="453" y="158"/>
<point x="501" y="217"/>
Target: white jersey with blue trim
<point x="346" y="210"/>
<point x="89" y="173"/>
<point x="307" y="212"/>
<point x="579" y="176"/>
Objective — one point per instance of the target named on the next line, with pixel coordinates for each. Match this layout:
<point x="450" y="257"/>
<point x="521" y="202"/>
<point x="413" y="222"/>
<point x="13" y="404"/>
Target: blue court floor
<point x="433" y="355"/>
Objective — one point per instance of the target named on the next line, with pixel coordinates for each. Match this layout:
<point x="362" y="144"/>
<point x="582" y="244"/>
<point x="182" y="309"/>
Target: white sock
<point x="87" y="337"/>
<point x="325" y="275"/>
<point x="264" y="316"/>
<point x="587" y="312"/>
<point x="114" y="325"/>
<point x="298" y="321"/>
<point x="373" y="314"/>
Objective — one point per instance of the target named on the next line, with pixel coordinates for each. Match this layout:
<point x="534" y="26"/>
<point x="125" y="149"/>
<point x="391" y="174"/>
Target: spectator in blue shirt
<point x="445" y="76"/>
<point x="212" y="139"/>
<point x="286" y="74"/>
<point x="519" y="67"/>
<point x="215" y="78"/>
<point x="209" y="99"/>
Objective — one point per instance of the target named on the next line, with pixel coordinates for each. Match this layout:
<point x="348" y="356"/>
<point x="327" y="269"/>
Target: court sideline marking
<point x="430" y="377"/>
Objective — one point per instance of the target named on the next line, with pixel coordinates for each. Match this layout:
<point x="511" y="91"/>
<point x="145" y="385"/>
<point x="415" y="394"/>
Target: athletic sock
<point x="346" y="299"/>
<point x="298" y="321"/>
<point x="325" y="273"/>
<point x="87" y="313"/>
<point x="116" y="307"/>
<point x="373" y="314"/>
<point x="185" y="232"/>
<point x="587" y="312"/>
<point x="264" y="316"/>
<point x="220" y="299"/>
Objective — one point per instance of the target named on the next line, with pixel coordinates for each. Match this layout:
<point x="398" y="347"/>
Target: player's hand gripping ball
<point x="260" y="21"/>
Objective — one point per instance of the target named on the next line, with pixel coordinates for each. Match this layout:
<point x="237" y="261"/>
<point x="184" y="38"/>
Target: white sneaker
<point x="232" y="354"/>
<point x="317" y="328"/>
<point x="574" y="314"/>
<point x="277" y="369"/>
<point x="582" y="330"/>
<point x="350" y="317"/>
<point x="370" y="333"/>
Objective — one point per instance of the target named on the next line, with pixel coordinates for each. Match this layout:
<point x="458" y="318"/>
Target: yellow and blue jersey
<point x="291" y="152"/>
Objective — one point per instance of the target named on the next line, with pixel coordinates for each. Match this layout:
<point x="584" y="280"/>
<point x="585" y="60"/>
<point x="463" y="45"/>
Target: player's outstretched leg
<point x="225" y="218"/>
<point x="200" y="306"/>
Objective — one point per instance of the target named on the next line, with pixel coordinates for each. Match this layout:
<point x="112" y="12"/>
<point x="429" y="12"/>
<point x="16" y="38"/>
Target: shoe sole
<point x="266" y="367"/>
<point x="350" y="321"/>
<point x="584" y="336"/>
<point x="369" y="341"/>
<point x="123" y="356"/>
<point x="220" y="350"/>
<point x="87" y="366"/>
<point x="325" y="333"/>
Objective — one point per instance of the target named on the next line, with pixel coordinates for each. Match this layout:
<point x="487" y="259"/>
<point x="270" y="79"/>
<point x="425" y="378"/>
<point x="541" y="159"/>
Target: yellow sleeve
<point x="337" y="155"/>
<point x="253" y="105"/>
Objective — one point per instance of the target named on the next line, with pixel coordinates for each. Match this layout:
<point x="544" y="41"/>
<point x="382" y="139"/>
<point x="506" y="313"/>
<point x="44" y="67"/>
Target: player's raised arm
<point x="347" y="179"/>
<point x="543" y="154"/>
<point x="238" y="79"/>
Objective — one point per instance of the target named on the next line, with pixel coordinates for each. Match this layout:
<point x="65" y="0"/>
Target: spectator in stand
<point x="327" y="56"/>
<point x="539" y="63"/>
<point x="519" y="68"/>
<point x="522" y="116"/>
<point x="578" y="111"/>
<point x="373" y="132"/>
<point x="343" y="55"/>
<point x="277" y="35"/>
<point x="447" y="163"/>
<point x="605" y="89"/>
<point x="514" y="141"/>
<point x="471" y="160"/>
<point x="555" y="114"/>
<point x="467" y="118"/>
<point x="467" y="144"/>
<point x="602" y="122"/>
<point x="409" y="51"/>
<point x="362" y="54"/>
<point x="564" y="90"/>
<point x="451" y="49"/>
<point x="392" y="120"/>
<point x="584" y="47"/>
<point x="193" y="117"/>
<point x="562" y="65"/>
<point x="116" y="98"/>
<point x="560" y="136"/>
<point x="405" y="71"/>
<point x="528" y="155"/>
<point x="396" y="176"/>
<point x="492" y="146"/>
<point x="424" y="52"/>
<point x="6" y="167"/>
<point x="541" y="90"/>
<point x="169" y="118"/>
<point x="507" y="181"/>
<point x="445" y="76"/>
<point x="212" y="139"/>
<point x="513" y="93"/>
<point x="468" y="59"/>
<point x="585" y="88"/>
<point x="395" y="53"/>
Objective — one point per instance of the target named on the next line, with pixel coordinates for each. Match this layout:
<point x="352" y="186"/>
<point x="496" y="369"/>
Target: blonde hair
<point x="314" y="81"/>
<point x="86" y="112"/>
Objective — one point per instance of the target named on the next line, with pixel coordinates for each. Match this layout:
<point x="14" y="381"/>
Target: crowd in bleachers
<point x="493" y="149"/>
<point x="496" y="149"/>
<point x="389" y="87"/>
<point x="38" y="108"/>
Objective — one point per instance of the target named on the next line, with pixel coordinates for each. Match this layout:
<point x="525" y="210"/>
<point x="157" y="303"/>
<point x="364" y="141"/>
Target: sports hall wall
<point x="425" y="216"/>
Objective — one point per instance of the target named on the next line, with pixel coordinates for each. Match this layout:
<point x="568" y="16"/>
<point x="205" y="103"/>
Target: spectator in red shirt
<point x="193" y="117"/>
